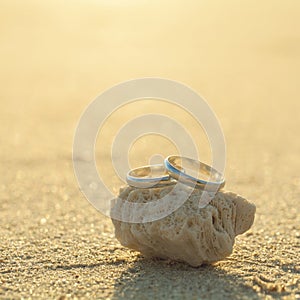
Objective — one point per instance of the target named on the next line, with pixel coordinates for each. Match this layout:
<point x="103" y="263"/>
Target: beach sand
<point x="57" y="56"/>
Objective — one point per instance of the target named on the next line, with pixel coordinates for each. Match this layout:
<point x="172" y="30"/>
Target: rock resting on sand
<point x="190" y="234"/>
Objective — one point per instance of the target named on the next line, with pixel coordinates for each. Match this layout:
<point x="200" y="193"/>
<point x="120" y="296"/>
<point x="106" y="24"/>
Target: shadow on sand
<point x="157" y="279"/>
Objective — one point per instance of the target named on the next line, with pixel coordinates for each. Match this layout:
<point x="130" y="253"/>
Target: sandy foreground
<point x="57" y="56"/>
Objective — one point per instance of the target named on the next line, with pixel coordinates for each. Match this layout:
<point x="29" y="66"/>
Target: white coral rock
<point x="191" y="234"/>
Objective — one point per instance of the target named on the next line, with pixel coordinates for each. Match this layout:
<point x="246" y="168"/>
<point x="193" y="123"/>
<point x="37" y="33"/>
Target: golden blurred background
<point x="242" y="56"/>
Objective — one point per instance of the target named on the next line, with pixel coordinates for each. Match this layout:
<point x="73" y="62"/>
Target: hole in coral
<point x="214" y="220"/>
<point x="190" y="223"/>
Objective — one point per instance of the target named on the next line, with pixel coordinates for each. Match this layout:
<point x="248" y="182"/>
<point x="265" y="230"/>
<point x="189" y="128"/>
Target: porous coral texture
<point x="190" y="234"/>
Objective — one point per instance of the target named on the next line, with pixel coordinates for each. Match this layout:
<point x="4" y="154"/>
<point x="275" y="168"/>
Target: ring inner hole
<point x="151" y="172"/>
<point x="194" y="169"/>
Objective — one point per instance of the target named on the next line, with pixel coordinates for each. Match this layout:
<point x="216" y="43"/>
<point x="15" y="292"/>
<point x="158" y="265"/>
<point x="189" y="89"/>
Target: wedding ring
<point x="149" y="176"/>
<point x="194" y="173"/>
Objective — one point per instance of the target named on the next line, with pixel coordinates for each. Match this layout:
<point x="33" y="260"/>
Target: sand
<point x="56" y="56"/>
